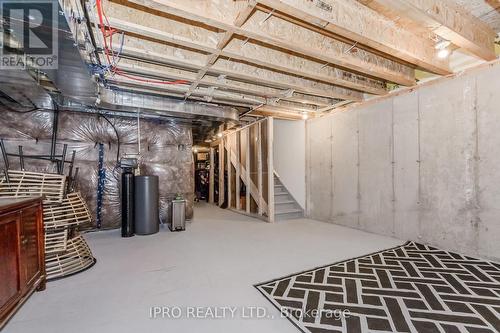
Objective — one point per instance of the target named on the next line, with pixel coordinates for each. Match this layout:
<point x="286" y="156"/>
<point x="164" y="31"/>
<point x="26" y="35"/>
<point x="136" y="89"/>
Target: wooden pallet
<point x="56" y="241"/>
<point x="24" y="184"/>
<point x="72" y="211"/>
<point x="76" y="258"/>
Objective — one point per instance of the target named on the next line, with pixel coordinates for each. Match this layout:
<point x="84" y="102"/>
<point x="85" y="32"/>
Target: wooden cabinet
<point x="22" y="260"/>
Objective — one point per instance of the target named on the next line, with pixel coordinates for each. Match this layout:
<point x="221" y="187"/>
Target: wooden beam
<point x="221" y="172"/>
<point x="208" y="94"/>
<point x="204" y="89"/>
<point x="270" y="169"/>
<point x="226" y="38"/>
<point x="245" y="13"/>
<point x="186" y="69"/>
<point x="356" y="22"/>
<point x="238" y="169"/>
<point x="247" y="174"/>
<point x="306" y="85"/>
<point x="134" y="87"/>
<point x="229" y="171"/>
<point x="286" y="63"/>
<point x="269" y="112"/>
<point x="260" y="187"/>
<point x="447" y="20"/>
<point x="181" y="90"/>
<point x="211" y="177"/>
<point x="164" y="73"/>
<point x="238" y="71"/>
<point x="165" y="64"/>
<point x="318" y="46"/>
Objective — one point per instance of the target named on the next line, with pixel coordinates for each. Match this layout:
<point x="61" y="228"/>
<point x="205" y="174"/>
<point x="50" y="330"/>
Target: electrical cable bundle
<point x="106" y="31"/>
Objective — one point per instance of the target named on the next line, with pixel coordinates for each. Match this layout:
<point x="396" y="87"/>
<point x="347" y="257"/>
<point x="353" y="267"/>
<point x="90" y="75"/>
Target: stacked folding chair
<point x="66" y="251"/>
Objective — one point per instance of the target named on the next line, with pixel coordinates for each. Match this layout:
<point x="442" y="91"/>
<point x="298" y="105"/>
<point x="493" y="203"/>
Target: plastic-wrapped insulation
<point x="165" y="152"/>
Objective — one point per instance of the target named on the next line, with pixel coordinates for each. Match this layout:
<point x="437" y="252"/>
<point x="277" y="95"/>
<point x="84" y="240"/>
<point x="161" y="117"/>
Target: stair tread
<point x="281" y="193"/>
<point x="287" y="211"/>
<point x="284" y="202"/>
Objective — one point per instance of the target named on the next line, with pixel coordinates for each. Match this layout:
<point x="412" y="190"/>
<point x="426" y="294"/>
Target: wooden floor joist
<point x="445" y="19"/>
<point x="243" y="15"/>
<point x="305" y="85"/>
<point x="284" y="53"/>
<point x="231" y="79"/>
<point x="303" y="41"/>
<point x="356" y="22"/>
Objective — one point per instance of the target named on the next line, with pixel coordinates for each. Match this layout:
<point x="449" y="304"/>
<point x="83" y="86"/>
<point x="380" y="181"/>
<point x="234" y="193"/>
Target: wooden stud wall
<point x="243" y="151"/>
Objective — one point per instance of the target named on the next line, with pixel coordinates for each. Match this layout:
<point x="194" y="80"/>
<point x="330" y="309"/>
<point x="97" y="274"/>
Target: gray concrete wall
<point x="422" y="165"/>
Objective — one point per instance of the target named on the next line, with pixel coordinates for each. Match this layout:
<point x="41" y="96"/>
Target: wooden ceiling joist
<point x="445" y="19"/>
<point x="243" y="15"/>
<point x="254" y="54"/>
<point x="201" y="94"/>
<point x="286" y="63"/>
<point x="359" y="23"/>
<point x="166" y="73"/>
<point x="269" y="111"/>
<point x="238" y="91"/>
<point x="207" y="94"/>
<point x="268" y="88"/>
<point x="299" y="40"/>
<point x="304" y="85"/>
<point x="238" y="71"/>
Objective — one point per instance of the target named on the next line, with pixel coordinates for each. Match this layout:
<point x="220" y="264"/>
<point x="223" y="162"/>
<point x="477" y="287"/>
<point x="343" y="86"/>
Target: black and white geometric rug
<point x="410" y="288"/>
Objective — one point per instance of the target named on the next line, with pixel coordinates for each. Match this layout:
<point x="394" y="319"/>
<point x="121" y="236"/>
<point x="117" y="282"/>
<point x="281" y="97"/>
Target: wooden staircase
<point x="285" y="206"/>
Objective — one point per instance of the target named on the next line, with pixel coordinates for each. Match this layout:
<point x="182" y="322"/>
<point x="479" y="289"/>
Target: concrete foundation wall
<point x="422" y="165"/>
<point x="289" y="156"/>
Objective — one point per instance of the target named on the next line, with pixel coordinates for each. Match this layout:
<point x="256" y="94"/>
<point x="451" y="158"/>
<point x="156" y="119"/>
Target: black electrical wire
<point x="55" y="128"/>
<point x="18" y="111"/>
<point x="12" y="101"/>
<point x="117" y="137"/>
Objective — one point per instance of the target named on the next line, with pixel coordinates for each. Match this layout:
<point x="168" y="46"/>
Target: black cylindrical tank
<point x="147" y="214"/>
<point x="127" y="204"/>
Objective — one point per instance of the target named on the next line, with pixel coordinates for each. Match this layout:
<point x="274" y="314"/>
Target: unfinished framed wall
<point x="246" y="181"/>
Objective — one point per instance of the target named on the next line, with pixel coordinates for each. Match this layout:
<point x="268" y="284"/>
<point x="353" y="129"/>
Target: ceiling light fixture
<point x="305" y="115"/>
<point x="219" y="135"/>
<point x="442" y="44"/>
<point x="443" y="53"/>
<point x="442" y="47"/>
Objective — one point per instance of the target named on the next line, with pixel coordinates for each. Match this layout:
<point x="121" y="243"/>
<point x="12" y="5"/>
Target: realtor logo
<point x="29" y="35"/>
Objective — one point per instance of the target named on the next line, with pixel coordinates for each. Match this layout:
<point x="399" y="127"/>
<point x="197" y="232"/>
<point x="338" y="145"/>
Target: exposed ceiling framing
<point x="286" y="57"/>
<point x="444" y="18"/>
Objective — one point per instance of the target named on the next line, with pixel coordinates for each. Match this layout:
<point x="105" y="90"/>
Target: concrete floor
<point x="215" y="263"/>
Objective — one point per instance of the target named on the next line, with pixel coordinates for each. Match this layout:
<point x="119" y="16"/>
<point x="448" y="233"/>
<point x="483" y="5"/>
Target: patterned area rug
<point x="410" y="288"/>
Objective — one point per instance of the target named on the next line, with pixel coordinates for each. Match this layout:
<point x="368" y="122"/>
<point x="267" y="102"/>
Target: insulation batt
<point x="165" y="152"/>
